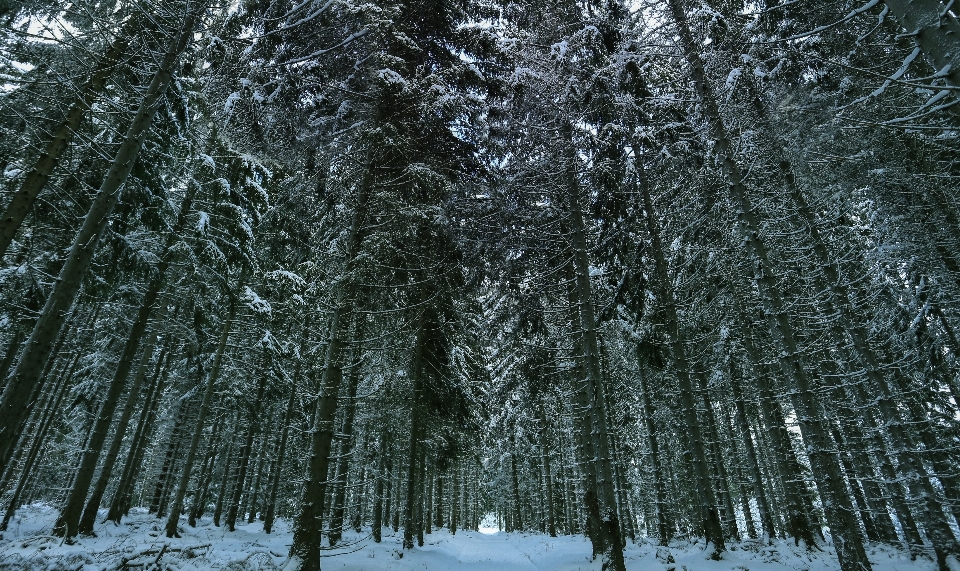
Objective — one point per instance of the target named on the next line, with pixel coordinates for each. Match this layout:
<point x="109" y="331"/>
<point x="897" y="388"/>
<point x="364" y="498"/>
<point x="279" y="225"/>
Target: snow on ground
<point x="137" y="544"/>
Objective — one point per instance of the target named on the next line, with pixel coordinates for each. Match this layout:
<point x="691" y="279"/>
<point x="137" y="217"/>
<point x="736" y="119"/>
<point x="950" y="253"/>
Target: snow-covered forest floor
<point x="138" y="543"/>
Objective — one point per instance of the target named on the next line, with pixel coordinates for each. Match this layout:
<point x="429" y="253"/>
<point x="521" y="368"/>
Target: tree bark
<point x="823" y="458"/>
<point x="936" y="32"/>
<point x="343" y="464"/>
<point x="38" y="441"/>
<point x="416" y="374"/>
<point x="695" y="449"/>
<point x="255" y="491"/>
<point x="89" y="516"/>
<point x="547" y="474"/>
<point x="664" y="525"/>
<point x="206" y="475"/>
<point x="838" y="301"/>
<point x="169" y="458"/>
<point x="516" y="519"/>
<point x="224" y="481"/>
<point x="130" y="467"/>
<point x="22" y="201"/>
<point x="245" y="452"/>
<point x="378" y="494"/>
<point x="455" y="498"/>
<point x="282" y="447"/>
<point x="37" y="350"/>
<point x="305" y="549"/>
<point x="609" y="521"/>
<point x="71" y="518"/>
<point x="758" y="488"/>
<point x="177" y="505"/>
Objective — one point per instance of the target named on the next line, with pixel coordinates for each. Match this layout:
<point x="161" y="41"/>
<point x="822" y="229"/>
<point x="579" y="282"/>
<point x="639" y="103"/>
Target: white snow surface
<point x="27" y="545"/>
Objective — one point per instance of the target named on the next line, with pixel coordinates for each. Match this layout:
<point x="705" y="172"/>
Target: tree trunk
<point x="824" y="460"/>
<point x="361" y="495"/>
<point x="13" y="348"/>
<point x="206" y="475"/>
<point x="23" y="200"/>
<point x="282" y="447"/>
<point x="416" y="374"/>
<point x="798" y="521"/>
<point x="695" y="449"/>
<point x="305" y="549"/>
<point x="838" y="301"/>
<point x="439" y="508"/>
<point x="421" y="495"/>
<point x="664" y="525"/>
<point x="609" y="519"/>
<point x="382" y="478"/>
<point x="177" y="504"/>
<point x="140" y="436"/>
<point x="455" y="498"/>
<point x="255" y="491"/>
<point x="936" y="32"/>
<point x="758" y="488"/>
<point x="26" y="375"/>
<point x="343" y="464"/>
<point x="516" y="520"/>
<point x="169" y="458"/>
<point x="39" y="440"/>
<point x="245" y="451"/>
<point x="547" y="474"/>
<point x="224" y="481"/>
<point x="89" y="516"/>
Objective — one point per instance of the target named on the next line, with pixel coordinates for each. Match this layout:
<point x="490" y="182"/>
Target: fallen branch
<point x="129" y="562"/>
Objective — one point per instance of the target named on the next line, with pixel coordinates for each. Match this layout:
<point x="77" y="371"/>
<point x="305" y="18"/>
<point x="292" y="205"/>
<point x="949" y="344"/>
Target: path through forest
<point x="136" y="544"/>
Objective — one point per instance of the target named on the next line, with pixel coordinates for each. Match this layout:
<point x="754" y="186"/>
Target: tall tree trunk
<point x="206" y="475"/>
<point x="759" y="490"/>
<point x="516" y="519"/>
<point x="245" y="451"/>
<point x="664" y="525"/>
<point x="39" y="440"/>
<point x="255" y="490"/>
<point x="169" y="458"/>
<point x="224" y="481"/>
<point x="823" y="458"/>
<point x="44" y="394"/>
<point x="138" y="444"/>
<point x="23" y="200"/>
<point x="382" y="478"/>
<point x="609" y="521"/>
<point x="343" y="464"/>
<point x="428" y="515"/>
<point x="789" y="475"/>
<point x="455" y="498"/>
<point x="695" y="449"/>
<point x="89" y="516"/>
<point x="936" y="32"/>
<point x="305" y="549"/>
<point x="71" y="516"/>
<point x="838" y="300"/>
<point x="547" y="473"/>
<point x="282" y="447"/>
<point x="176" y="507"/>
<point x="439" y="508"/>
<point x="416" y="374"/>
<point x="361" y="494"/>
<point x="33" y="358"/>
<point x="421" y="494"/>
<point x="13" y="348"/>
<point x="30" y="417"/>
